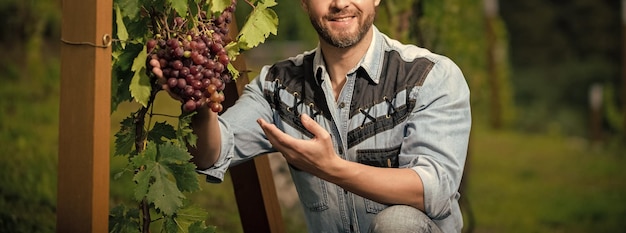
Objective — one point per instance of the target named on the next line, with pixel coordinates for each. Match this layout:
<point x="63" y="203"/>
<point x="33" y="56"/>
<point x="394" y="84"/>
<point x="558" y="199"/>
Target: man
<point x="375" y="132"/>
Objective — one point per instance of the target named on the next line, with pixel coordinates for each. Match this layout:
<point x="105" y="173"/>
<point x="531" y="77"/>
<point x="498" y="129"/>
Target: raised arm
<point x="206" y="127"/>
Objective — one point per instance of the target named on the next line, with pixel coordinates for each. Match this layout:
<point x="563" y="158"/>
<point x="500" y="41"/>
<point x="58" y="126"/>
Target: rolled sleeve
<point x="242" y="138"/>
<point x="215" y="174"/>
<point x="436" y="147"/>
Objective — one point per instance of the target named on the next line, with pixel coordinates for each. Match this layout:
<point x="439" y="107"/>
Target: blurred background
<point x="548" y="88"/>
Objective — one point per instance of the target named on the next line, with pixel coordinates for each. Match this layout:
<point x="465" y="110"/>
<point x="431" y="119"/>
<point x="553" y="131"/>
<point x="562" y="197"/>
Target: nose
<point x="340" y="4"/>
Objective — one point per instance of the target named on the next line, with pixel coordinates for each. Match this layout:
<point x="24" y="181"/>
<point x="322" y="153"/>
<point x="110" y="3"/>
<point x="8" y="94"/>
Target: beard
<point x="342" y="39"/>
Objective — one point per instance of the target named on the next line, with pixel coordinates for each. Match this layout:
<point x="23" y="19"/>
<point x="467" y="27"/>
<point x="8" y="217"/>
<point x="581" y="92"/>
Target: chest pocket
<point x="386" y="157"/>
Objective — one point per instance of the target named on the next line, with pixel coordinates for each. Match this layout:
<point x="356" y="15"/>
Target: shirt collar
<point x="370" y="63"/>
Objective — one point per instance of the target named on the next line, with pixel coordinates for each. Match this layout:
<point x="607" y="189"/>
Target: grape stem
<point x="250" y="3"/>
<point x="163" y="115"/>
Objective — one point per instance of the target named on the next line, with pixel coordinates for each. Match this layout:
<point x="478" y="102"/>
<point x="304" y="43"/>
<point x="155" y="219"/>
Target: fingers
<point x="313" y="127"/>
<point x="271" y="131"/>
<point x="273" y="134"/>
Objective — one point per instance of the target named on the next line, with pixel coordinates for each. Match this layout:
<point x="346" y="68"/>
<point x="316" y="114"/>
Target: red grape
<point x="193" y="60"/>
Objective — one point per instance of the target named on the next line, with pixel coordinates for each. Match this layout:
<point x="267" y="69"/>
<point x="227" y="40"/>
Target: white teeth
<point x="343" y="19"/>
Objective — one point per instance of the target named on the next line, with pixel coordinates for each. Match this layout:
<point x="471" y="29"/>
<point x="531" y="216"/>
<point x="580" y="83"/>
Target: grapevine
<point x="183" y="47"/>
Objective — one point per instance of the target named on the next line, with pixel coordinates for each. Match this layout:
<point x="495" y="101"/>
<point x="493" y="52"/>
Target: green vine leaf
<point x="156" y="181"/>
<point x="187" y="217"/>
<point x="140" y="85"/>
<point x="180" y="6"/>
<point x="125" y="137"/>
<point x="161" y="130"/>
<point x="218" y="6"/>
<point x="198" y="227"/>
<point x="186" y="176"/>
<point x="123" y="220"/>
<point x="262" y="22"/>
<point x="122" y="34"/>
<point x="129" y="8"/>
<point x="185" y="133"/>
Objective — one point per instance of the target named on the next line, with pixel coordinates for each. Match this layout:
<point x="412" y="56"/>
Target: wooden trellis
<point x="84" y="131"/>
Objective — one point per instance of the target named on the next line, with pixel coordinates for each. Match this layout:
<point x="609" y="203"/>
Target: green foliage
<point x="28" y="115"/>
<point x="157" y="153"/>
<point x="394" y="17"/>
<point x="456" y="29"/>
<point x="558" y="50"/>
<point x="261" y="22"/>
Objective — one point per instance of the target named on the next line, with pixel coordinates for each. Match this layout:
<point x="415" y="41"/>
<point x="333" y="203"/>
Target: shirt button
<point x="342" y="104"/>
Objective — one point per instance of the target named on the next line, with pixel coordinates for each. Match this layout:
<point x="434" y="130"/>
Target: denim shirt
<point x="401" y="107"/>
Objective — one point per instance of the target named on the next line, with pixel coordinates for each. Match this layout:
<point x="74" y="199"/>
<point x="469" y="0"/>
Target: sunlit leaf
<point x="262" y="22"/>
<point x="218" y="6"/>
<point x="122" y="34"/>
<point x="140" y="85"/>
<point x="180" y="6"/>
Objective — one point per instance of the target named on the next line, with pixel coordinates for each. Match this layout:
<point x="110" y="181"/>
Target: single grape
<point x="194" y="70"/>
<point x="216" y="107"/>
<point x="157" y="71"/>
<point x="189" y="105"/>
<point x="211" y="88"/>
<point x="177" y="64"/>
<point x="181" y="83"/>
<point x="223" y="58"/>
<point x="162" y="62"/>
<point x="188" y="91"/>
<point x="150" y="45"/>
<point x="178" y="21"/>
<point x="215" y="97"/>
<point x="172" y="82"/>
<point x="178" y="52"/>
<point x="184" y="71"/>
<point x="197" y="94"/>
<point x="196" y="84"/>
<point x="172" y="43"/>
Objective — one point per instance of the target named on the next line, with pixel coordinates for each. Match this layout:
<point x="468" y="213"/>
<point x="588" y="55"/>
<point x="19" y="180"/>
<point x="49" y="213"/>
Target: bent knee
<point x="402" y="218"/>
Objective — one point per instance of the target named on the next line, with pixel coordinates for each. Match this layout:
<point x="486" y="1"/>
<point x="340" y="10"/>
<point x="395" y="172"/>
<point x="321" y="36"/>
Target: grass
<point x="539" y="183"/>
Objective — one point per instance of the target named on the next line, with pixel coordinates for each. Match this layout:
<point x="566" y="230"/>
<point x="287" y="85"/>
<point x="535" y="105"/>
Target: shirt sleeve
<point x="438" y="135"/>
<point x="242" y="138"/>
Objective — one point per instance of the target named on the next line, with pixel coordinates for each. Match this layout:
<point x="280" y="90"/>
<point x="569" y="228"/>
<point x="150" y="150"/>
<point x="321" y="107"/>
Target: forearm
<point x="208" y="145"/>
<point x="384" y="185"/>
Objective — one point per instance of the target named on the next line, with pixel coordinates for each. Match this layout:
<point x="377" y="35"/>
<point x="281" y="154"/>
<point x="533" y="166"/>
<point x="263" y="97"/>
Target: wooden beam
<point x="257" y="200"/>
<point x="84" y="122"/>
<point x="253" y="182"/>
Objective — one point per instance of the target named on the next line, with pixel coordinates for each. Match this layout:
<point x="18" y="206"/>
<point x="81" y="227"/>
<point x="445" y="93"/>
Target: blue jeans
<point x="401" y="219"/>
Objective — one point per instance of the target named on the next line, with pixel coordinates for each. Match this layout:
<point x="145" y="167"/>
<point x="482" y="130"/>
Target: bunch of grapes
<point x="194" y="61"/>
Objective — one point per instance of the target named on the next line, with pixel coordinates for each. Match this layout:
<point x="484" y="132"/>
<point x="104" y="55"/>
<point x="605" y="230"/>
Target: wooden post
<point x="595" y="107"/>
<point x="491" y="14"/>
<point x="253" y="182"/>
<point x="84" y="122"/>
<point x="624" y="68"/>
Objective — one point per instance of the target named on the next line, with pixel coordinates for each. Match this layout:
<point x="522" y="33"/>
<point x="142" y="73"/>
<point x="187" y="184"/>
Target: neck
<point x="340" y="60"/>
